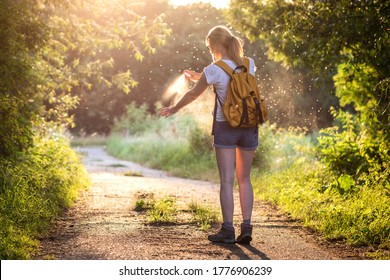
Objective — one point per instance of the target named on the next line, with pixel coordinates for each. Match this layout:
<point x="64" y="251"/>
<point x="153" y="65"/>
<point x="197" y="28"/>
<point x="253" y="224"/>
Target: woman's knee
<point x="243" y="176"/>
<point x="244" y="182"/>
<point x="227" y="181"/>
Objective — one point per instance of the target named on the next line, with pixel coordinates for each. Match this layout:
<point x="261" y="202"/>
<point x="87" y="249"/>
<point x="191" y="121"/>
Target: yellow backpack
<point x="243" y="106"/>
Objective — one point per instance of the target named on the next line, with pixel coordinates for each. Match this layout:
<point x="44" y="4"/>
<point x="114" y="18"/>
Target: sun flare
<point x="215" y="3"/>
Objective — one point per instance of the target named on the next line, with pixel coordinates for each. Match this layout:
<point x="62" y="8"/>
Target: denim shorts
<point x="226" y="136"/>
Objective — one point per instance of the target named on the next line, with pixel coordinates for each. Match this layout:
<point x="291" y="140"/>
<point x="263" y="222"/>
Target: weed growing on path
<point x="165" y="210"/>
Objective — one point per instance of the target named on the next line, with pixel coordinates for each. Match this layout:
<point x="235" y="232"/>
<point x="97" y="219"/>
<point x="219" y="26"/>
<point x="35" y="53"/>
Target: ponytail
<point x="235" y="50"/>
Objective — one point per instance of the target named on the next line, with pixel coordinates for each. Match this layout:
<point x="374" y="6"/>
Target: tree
<point x="88" y="55"/>
<point x="54" y="53"/>
<point x="22" y="34"/>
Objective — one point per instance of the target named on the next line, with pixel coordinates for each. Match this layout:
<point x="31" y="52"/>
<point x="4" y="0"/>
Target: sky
<point x="215" y="3"/>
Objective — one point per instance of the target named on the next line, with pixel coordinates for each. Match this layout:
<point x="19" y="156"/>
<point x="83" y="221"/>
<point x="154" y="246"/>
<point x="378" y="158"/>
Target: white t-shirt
<point x="216" y="76"/>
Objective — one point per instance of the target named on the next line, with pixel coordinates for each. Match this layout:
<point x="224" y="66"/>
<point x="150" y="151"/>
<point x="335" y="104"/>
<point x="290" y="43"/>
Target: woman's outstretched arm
<point x="187" y="98"/>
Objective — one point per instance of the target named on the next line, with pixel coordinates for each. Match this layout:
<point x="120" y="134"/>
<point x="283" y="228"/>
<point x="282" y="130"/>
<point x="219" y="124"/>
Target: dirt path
<point x="104" y="225"/>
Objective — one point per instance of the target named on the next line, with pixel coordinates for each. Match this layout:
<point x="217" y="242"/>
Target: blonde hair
<point x="222" y="36"/>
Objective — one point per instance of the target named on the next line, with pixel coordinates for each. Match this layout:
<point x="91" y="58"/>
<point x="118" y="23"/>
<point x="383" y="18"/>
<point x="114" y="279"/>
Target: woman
<point x="234" y="147"/>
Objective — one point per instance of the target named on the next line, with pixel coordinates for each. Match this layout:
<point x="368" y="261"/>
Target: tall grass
<point x="34" y="189"/>
<point x="286" y="172"/>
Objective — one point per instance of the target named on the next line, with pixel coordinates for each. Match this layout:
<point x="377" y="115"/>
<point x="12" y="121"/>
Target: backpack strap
<point x="246" y="62"/>
<point x="225" y="67"/>
<point x="215" y="111"/>
<point x="229" y="70"/>
<point x="217" y="100"/>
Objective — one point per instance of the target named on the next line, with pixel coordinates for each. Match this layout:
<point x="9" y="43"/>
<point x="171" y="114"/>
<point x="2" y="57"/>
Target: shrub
<point x="200" y="142"/>
<point x="280" y="148"/>
<point x="34" y="190"/>
<point x="135" y="121"/>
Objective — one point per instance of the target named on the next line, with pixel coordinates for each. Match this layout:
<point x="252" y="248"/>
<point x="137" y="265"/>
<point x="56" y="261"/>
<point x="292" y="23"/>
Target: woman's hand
<point x="188" y="97"/>
<point x="168" y="111"/>
<point x="192" y="75"/>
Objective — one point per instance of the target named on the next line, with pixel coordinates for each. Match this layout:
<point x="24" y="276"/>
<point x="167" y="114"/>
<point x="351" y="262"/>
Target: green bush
<point x="353" y="155"/>
<point x="135" y="121"/>
<point x="339" y="147"/>
<point x="280" y="148"/>
<point x="34" y="189"/>
<point x="200" y="142"/>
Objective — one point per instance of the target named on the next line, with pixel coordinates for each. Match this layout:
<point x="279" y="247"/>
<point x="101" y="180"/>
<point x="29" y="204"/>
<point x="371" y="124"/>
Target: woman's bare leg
<point x="226" y="162"/>
<point x="244" y="159"/>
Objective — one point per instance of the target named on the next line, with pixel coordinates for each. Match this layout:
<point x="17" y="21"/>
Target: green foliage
<point x="203" y="216"/>
<point x="344" y="184"/>
<point x="359" y="216"/>
<point x="144" y="201"/>
<point x="163" y="210"/>
<point x="136" y="120"/>
<point x="294" y="95"/>
<point x="132" y="174"/>
<point x="88" y="59"/>
<point x="15" y="125"/>
<point x="347" y="151"/>
<point x="314" y="33"/>
<point x="184" y="49"/>
<point x="341" y="206"/>
<point x="327" y="36"/>
<point x="56" y="55"/>
<point x="39" y="174"/>
<point x="21" y="37"/>
<point x="33" y="192"/>
<point x="200" y="142"/>
<point x="355" y="84"/>
<point x="280" y="148"/>
<point x="340" y="149"/>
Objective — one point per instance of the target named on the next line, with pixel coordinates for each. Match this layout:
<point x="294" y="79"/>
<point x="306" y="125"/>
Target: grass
<point x="34" y="190"/>
<point x="163" y="210"/>
<point x="203" y="216"/>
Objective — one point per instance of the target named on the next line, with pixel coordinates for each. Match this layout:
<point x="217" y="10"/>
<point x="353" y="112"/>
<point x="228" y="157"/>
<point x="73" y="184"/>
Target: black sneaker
<point x="224" y="235"/>
<point x="245" y="236"/>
